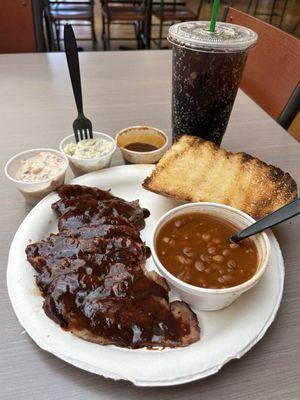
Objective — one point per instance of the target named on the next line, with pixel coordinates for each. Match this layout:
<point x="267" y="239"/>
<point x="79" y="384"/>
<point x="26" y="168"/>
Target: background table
<point x="123" y="89"/>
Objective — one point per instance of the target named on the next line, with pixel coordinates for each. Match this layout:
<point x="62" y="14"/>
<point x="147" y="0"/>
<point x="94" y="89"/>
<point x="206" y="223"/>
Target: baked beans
<point x="195" y="248"/>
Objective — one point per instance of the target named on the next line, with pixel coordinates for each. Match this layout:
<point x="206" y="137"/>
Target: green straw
<point x="214" y="15"/>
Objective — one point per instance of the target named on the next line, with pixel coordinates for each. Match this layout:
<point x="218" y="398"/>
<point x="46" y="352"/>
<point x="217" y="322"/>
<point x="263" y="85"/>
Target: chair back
<point x="173" y="5"/>
<point x="133" y="3"/>
<point x="272" y="71"/>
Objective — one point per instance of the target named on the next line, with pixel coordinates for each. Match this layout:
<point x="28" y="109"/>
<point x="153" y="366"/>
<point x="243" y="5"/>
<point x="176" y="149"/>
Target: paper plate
<point x="225" y="334"/>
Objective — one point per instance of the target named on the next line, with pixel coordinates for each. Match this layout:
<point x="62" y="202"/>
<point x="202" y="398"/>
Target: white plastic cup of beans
<point x="179" y="248"/>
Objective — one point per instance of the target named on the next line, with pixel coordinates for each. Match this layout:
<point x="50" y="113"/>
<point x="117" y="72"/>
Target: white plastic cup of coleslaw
<point x="80" y="164"/>
<point x="37" y="172"/>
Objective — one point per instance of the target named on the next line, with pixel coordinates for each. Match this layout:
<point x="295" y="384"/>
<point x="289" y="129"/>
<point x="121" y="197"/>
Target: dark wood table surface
<point x="122" y="89"/>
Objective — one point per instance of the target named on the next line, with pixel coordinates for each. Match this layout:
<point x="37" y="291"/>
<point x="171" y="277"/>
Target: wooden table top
<point x="122" y="89"/>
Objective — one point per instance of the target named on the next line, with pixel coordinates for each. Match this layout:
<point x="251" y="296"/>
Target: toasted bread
<point x="197" y="170"/>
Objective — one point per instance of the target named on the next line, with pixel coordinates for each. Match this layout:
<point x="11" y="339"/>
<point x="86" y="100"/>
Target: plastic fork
<point x="282" y="214"/>
<point x="82" y="126"/>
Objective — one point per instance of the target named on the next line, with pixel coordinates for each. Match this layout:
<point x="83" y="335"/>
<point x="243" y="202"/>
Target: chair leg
<point x="108" y="35"/>
<point x="94" y="37"/>
<point x="103" y="32"/>
<point x="57" y="30"/>
<point x="139" y="34"/>
<point x="256" y="7"/>
<point x="136" y="33"/>
<point x="249" y="7"/>
<point x="49" y="32"/>
<point x="160" y="33"/>
<point x="142" y="35"/>
<point x="272" y="11"/>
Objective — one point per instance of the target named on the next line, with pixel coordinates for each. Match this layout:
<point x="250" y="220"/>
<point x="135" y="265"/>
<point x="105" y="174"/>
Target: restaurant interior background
<point x="102" y="25"/>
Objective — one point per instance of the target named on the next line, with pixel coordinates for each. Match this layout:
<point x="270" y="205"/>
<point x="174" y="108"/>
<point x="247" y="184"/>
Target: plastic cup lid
<point x="227" y="37"/>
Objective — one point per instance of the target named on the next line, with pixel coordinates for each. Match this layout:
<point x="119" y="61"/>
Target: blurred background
<point x="101" y="25"/>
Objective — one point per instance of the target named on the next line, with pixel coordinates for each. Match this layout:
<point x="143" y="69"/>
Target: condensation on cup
<point x="206" y="73"/>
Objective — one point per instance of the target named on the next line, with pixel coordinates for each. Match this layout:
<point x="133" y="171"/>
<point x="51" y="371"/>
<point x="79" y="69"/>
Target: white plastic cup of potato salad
<point x="80" y="165"/>
<point x="45" y="172"/>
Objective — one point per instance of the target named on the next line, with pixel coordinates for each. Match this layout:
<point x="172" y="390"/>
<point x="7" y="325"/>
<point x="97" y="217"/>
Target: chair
<point x="271" y="74"/>
<point x="59" y="12"/>
<point x="269" y="14"/>
<point x="173" y="11"/>
<point x="124" y="12"/>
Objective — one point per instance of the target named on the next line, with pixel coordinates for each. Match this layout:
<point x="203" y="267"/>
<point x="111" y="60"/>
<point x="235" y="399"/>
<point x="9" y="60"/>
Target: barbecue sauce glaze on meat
<point x="93" y="277"/>
<point x="127" y="311"/>
<point x="60" y="255"/>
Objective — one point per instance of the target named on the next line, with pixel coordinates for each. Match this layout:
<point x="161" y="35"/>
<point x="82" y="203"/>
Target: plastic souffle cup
<point x="35" y="191"/>
<point x="83" y="166"/>
<point x="213" y="299"/>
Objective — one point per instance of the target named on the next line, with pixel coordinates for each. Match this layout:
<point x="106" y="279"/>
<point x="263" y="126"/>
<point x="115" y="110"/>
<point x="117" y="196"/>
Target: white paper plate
<point x="225" y="334"/>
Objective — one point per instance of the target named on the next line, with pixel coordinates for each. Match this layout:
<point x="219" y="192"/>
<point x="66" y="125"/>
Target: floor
<point x="290" y="21"/>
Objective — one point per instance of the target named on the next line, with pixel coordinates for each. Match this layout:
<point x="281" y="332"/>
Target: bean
<point x="187" y="278"/>
<point x="184" y="276"/>
<point x="178" y="223"/>
<point x="172" y="243"/>
<point x="205" y="258"/>
<point x="184" y="260"/>
<point x="220" y="279"/>
<point x="166" y="239"/>
<point x="226" y="253"/>
<point x="234" y="246"/>
<point x="227" y="278"/>
<point x="221" y="271"/>
<point x="199" y="266"/>
<point x="218" y="258"/>
<point x="206" y="236"/>
<point x="211" y="250"/>
<point x="181" y="274"/>
<point x="186" y="237"/>
<point x="175" y="236"/>
<point x="217" y="240"/>
<point x="163" y="252"/>
<point x="207" y="270"/>
<point x="232" y="264"/>
<point x="202" y="282"/>
<point x="188" y="251"/>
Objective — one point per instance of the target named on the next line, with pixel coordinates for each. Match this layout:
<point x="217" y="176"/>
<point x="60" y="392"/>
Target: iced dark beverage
<point x="207" y="70"/>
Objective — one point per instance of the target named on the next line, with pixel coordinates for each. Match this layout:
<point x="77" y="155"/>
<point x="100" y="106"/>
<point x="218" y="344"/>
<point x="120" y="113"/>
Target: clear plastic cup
<point x="83" y="166"/>
<point x="207" y="70"/>
<point x="35" y="191"/>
